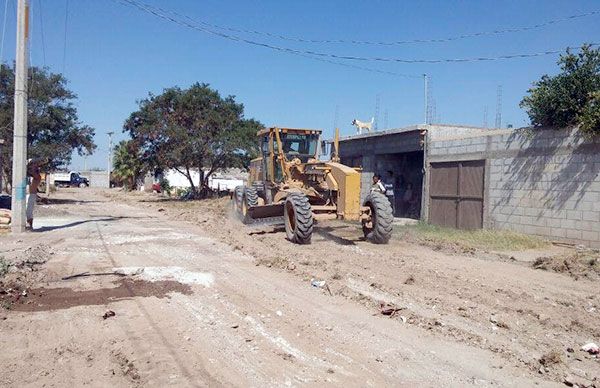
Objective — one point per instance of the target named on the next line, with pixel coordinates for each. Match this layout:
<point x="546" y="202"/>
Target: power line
<point x="349" y="65"/>
<point x="148" y="9"/>
<point x="158" y="12"/>
<point x="399" y="42"/>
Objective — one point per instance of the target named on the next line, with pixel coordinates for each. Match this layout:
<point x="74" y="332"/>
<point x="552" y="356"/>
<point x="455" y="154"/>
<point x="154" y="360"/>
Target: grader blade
<point x="266" y="211"/>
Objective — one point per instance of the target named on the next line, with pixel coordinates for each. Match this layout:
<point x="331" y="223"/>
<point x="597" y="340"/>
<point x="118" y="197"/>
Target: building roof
<point x="418" y="127"/>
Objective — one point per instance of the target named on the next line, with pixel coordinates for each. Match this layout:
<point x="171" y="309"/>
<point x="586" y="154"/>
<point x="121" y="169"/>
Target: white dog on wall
<point x="361" y="125"/>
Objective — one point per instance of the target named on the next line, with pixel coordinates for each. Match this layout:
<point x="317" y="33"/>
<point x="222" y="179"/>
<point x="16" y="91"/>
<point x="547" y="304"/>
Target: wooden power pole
<point x="19" y="173"/>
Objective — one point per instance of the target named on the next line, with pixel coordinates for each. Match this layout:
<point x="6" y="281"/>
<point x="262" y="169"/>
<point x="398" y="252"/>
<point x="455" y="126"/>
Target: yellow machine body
<point x="332" y="188"/>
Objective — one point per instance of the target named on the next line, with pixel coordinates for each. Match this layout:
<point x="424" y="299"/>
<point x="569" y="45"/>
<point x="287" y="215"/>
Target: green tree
<point x="570" y="98"/>
<point x="54" y="130"/>
<point x="194" y="128"/>
<point x="127" y="166"/>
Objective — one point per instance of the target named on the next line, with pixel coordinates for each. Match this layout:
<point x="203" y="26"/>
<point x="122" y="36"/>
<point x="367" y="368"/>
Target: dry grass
<point x="491" y="240"/>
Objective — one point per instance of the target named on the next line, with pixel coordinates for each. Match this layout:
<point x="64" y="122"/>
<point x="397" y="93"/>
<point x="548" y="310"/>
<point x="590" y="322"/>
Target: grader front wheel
<point x="250" y="199"/>
<point x="238" y="197"/>
<point x="298" y="219"/>
<point x="378" y="229"/>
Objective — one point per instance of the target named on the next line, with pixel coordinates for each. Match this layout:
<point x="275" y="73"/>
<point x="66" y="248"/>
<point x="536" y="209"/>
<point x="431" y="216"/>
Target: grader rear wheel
<point x="298" y="219"/>
<point x="379" y="229"/>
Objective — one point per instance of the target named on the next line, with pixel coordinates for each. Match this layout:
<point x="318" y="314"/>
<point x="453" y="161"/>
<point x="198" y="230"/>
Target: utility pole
<point x="426" y="97"/>
<point x="19" y="173"/>
<point x="110" y="149"/>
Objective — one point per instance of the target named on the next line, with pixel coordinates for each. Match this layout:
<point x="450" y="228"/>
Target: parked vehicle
<point x="69" y="179"/>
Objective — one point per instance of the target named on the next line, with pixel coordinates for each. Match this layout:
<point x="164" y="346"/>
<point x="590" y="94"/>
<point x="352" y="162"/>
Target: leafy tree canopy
<point x="571" y="98"/>
<point x="192" y="128"/>
<point x="54" y="130"/>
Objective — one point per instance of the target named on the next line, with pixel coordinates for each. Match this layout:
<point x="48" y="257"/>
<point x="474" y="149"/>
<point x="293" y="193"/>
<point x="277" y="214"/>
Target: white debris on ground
<point x="181" y="275"/>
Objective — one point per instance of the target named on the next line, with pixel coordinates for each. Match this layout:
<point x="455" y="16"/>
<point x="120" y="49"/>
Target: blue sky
<point x="116" y="54"/>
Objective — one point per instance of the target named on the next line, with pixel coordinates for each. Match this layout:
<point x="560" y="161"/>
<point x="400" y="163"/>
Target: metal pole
<point x="110" y="149"/>
<point x="426" y="82"/>
<point x="19" y="173"/>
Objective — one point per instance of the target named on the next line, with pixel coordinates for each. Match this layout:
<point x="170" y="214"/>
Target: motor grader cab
<point x="289" y="180"/>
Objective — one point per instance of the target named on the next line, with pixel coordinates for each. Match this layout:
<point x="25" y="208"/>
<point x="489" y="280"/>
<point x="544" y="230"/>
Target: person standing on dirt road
<point x="389" y="191"/>
<point x="377" y="186"/>
<point x="33" y="171"/>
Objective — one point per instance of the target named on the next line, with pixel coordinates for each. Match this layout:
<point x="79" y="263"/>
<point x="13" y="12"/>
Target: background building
<point x="541" y="182"/>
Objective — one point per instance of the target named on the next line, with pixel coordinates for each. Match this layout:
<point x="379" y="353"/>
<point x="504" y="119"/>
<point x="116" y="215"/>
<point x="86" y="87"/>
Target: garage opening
<point x="405" y="172"/>
<point x="456" y="194"/>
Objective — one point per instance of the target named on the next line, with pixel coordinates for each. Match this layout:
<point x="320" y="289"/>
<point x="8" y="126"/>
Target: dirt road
<point x="205" y="301"/>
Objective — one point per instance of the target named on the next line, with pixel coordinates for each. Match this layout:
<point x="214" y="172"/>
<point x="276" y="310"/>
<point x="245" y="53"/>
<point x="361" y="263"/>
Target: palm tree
<point x="126" y="164"/>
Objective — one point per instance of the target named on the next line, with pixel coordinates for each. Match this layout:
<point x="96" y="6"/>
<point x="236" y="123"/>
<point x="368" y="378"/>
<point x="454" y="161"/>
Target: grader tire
<point x="250" y="199"/>
<point x="238" y="196"/>
<point x="298" y="219"/>
<point x="382" y="219"/>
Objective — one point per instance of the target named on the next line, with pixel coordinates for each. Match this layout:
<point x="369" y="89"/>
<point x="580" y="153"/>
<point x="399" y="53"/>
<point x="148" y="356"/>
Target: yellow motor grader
<point x="289" y="180"/>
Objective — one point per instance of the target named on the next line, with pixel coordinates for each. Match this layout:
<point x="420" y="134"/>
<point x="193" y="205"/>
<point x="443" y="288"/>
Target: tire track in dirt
<point x="504" y="307"/>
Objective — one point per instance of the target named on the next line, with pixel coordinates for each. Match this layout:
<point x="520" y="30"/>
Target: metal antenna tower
<point x="377" y="101"/>
<point x="498" y="123"/>
<point x="485" y="116"/>
<point x="385" y="119"/>
<point x="336" y="116"/>
<point x="430" y="103"/>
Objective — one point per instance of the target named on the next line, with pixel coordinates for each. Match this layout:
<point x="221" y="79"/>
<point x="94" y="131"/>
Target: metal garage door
<point x="456" y="194"/>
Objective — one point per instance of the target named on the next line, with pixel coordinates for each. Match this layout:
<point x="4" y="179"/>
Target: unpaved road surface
<point x="201" y="300"/>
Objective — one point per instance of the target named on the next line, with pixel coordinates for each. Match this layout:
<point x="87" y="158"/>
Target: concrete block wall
<point x="97" y="178"/>
<point x="544" y="182"/>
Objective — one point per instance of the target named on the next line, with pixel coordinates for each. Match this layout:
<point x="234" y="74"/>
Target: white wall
<point x="177" y="179"/>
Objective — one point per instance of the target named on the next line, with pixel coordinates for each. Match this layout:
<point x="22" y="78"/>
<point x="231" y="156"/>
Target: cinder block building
<point x="541" y="182"/>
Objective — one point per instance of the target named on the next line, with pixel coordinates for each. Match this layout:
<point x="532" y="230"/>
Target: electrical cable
<point x="398" y="42"/>
<point x="157" y="12"/>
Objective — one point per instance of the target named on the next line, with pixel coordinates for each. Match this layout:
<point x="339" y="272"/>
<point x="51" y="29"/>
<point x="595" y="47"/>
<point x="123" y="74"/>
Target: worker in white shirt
<point x="389" y="190"/>
<point x="377" y="186"/>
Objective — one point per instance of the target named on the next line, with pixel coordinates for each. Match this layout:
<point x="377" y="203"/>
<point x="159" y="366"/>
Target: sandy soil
<point x="202" y="300"/>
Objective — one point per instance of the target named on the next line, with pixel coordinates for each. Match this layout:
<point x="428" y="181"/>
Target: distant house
<point x="542" y="182"/>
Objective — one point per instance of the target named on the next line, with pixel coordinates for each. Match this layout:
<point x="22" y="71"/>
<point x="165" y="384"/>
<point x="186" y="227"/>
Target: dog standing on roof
<point x="362" y="125"/>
